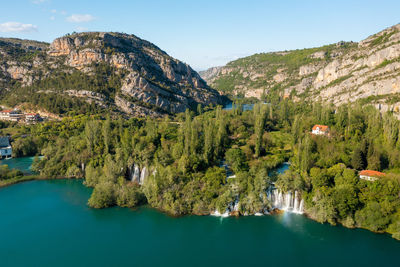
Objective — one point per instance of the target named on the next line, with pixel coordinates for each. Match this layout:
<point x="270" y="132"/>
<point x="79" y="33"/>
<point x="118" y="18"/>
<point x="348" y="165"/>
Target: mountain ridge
<point x="117" y="71"/>
<point x="337" y="73"/>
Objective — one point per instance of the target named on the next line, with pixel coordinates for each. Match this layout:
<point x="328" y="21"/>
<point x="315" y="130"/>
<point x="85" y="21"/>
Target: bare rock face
<point x="18" y="59"/>
<point x="211" y="72"/>
<point x="152" y="82"/>
<point x="153" y="77"/>
<point x="308" y="69"/>
<point x="133" y="109"/>
<point x="61" y="47"/>
<point x="336" y="73"/>
<point x="319" y="55"/>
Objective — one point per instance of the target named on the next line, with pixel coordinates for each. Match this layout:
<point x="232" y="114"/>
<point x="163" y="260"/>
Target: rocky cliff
<point x="111" y="70"/>
<point x="338" y="73"/>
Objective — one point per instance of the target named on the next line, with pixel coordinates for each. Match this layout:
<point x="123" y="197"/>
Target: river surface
<point x="47" y="223"/>
<point x="23" y="164"/>
<point x="245" y="107"/>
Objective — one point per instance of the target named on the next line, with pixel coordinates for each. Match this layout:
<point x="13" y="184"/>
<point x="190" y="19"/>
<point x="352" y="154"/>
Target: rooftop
<point x="321" y="127"/>
<point x="372" y="173"/>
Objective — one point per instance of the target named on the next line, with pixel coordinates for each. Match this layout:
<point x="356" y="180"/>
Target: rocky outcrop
<point x="336" y="73"/>
<point x="152" y="82"/>
<point x="133" y="109"/>
<point x="210" y="73"/>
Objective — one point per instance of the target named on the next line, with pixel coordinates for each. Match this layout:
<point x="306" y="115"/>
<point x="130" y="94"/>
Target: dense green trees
<point x="27" y="146"/>
<point x="6" y="173"/>
<point x="236" y="158"/>
<point x="103" y="195"/>
<point x="361" y="137"/>
<point x="183" y="157"/>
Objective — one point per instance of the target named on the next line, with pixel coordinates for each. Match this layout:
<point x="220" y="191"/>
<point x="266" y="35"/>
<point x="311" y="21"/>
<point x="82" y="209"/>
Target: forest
<point x="185" y="156"/>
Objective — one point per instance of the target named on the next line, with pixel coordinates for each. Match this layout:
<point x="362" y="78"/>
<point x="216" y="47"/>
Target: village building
<point x="5" y="147"/>
<point x="17" y="116"/>
<point x="320" y="130"/>
<point x="371" y="175"/>
<point x="32" y="117"/>
<point x="10" y="115"/>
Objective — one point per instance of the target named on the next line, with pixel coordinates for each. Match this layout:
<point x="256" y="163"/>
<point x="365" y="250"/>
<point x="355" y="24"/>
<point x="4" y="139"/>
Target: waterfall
<point x="290" y="201"/>
<point x="301" y="209"/>
<point x="143" y="175"/>
<point x="296" y="199"/>
<point x="232" y="207"/>
<point x="236" y="205"/>
<point x="218" y="214"/>
<point x="135" y="173"/>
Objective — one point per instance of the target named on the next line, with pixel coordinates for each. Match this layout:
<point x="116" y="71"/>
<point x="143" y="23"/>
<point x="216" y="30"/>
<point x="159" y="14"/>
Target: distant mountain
<point x="338" y="73"/>
<point x="97" y="70"/>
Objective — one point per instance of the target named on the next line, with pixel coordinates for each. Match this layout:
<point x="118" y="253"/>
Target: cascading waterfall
<point x="232" y="207"/>
<point x="296" y="200"/>
<point x="236" y="205"/>
<point x="143" y="175"/>
<point x="138" y="175"/>
<point x="290" y="201"/>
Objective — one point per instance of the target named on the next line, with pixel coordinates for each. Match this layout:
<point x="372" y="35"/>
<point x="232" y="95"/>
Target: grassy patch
<point x="382" y="39"/>
<point x="19" y="179"/>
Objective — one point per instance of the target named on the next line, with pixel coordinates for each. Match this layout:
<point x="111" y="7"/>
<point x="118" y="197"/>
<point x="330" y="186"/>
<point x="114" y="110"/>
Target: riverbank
<point x="274" y="212"/>
<point x="279" y="169"/>
<point x="54" y="214"/>
<point x="352" y="225"/>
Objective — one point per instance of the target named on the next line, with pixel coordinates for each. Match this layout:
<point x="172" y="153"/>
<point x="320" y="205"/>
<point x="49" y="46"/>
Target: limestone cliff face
<point x="336" y="73"/>
<point x="152" y="82"/>
<point x="18" y="59"/>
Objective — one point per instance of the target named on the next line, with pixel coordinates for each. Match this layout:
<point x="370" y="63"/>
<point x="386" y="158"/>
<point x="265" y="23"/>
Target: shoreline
<point x="28" y="178"/>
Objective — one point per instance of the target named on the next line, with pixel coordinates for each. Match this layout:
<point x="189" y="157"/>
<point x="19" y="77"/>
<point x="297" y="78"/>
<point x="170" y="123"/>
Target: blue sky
<point x="204" y="33"/>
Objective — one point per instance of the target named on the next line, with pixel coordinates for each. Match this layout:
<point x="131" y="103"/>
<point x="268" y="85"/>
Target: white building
<point x="371" y="175"/>
<point x="320" y="130"/>
<point x="10" y="115"/>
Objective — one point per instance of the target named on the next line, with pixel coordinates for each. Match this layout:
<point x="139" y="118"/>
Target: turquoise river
<point x="47" y="223"/>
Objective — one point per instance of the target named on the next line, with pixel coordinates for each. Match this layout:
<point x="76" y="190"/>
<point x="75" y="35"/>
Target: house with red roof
<point x="320" y="130"/>
<point x="371" y="175"/>
<point x="10" y="115"/>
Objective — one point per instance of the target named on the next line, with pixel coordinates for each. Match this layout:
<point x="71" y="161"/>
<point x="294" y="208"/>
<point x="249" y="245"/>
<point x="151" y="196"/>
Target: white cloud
<point x="52" y="18"/>
<point x="17" y="27"/>
<point x="78" y="18"/>
<point x="53" y="11"/>
<point x="38" y="2"/>
<point x="63" y="12"/>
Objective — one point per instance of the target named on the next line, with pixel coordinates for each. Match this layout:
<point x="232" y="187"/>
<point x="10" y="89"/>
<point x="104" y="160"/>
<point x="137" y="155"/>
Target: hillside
<point x="337" y="73"/>
<point x="93" y="71"/>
